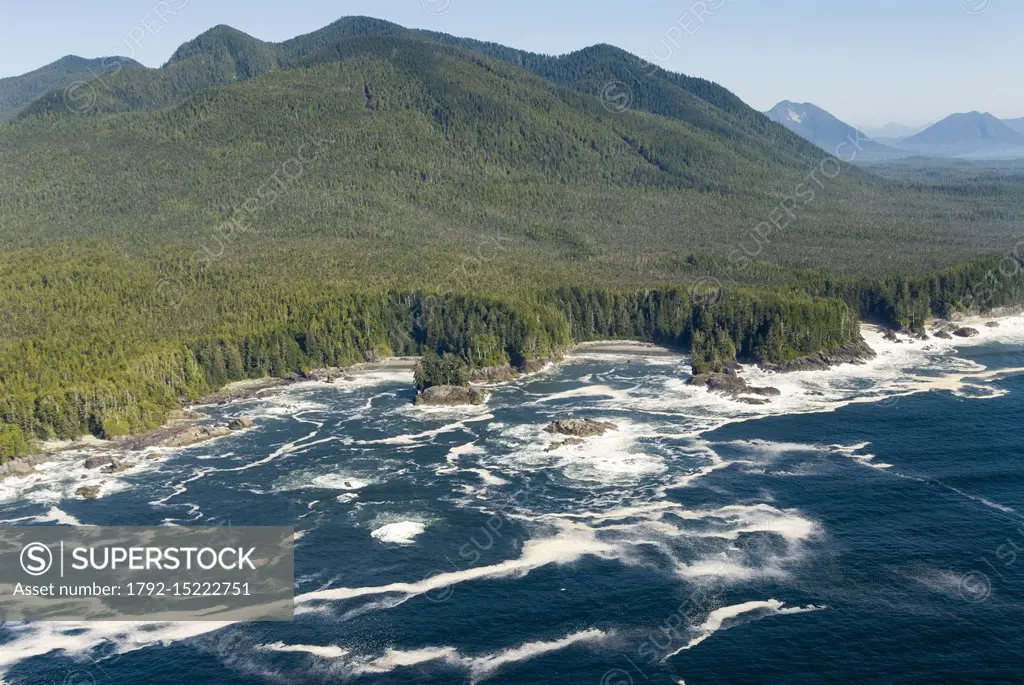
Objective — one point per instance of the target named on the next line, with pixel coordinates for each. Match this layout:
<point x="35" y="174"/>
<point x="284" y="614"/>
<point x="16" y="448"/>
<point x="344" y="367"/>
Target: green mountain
<point x="224" y="55"/>
<point x="253" y="208"/>
<point x="18" y="91"/>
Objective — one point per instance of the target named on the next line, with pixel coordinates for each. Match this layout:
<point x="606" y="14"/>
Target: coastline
<point x="190" y="417"/>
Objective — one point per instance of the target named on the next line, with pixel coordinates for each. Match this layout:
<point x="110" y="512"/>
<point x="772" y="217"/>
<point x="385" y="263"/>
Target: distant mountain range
<point x="892" y="131"/>
<point x="18" y="91"/>
<point x="829" y="133"/>
<point x="971" y="135"/>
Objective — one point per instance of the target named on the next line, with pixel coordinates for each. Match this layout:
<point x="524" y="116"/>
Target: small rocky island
<point x="450" y="396"/>
<point x="576" y="430"/>
<point x="447" y="381"/>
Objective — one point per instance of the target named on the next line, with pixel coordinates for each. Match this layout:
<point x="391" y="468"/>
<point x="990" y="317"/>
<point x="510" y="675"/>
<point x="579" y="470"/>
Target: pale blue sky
<point x="867" y="61"/>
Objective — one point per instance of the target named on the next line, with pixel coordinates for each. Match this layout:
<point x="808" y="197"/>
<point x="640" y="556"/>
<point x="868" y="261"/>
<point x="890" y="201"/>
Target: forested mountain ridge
<point x="224" y="55"/>
<point x="254" y="209"/>
<point x="18" y="91"/>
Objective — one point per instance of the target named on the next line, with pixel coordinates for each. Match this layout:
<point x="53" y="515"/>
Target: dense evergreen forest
<point x="256" y="209"/>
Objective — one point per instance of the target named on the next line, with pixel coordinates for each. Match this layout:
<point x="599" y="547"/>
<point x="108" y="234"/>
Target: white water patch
<point x="479" y="667"/>
<point x="335" y="481"/>
<point x="660" y="537"/>
<point x="587" y="391"/>
<point x="570" y="543"/>
<point x="323" y="652"/>
<point x="400" y="533"/>
<point x="615" y="457"/>
<point x="53" y="515"/>
<point x="79" y="638"/>
<point x="426" y="436"/>
<point x="855" y="452"/>
<point x="488" y="478"/>
<point x="726" y="617"/>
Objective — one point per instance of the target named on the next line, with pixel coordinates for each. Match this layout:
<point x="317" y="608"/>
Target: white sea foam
<point x="323" y="652"/>
<point x="335" y="481"/>
<point x="480" y="667"/>
<point x="76" y="638"/>
<point x="726" y="617"/>
<point x="569" y="544"/>
<point x="399" y="533"/>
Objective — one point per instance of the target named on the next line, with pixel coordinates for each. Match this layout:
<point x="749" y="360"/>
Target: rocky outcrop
<point x="534" y="365"/>
<point x="568" y="442"/>
<point x="97" y="462"/>
<point x="21" y="466"/>
<point x="450" y="396"/>
<point x="730" y="383"/>
<point x="853" y="353"/>
<point x="117" y="466"/>
<point x="88" y="492"/>
<point x="240" y="423"/>
<point x="966" y="332"/>
<point x="177" y="436"/>
<point x="993" y="324"/>
<point x="580" y="428"/>
<point x="944" y="335"/>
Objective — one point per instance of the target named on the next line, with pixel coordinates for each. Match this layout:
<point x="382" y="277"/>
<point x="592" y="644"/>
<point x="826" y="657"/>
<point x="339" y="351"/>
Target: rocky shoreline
<point x="853" y="353"/>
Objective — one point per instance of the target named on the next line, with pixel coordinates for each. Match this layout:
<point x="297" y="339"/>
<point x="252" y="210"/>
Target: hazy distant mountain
<point x="892" y="131"/>
<point x="1015" y="124"/>
<point x="18" y="91"/>
<point x="973" y="134"/>
<point x="827" y="132"/>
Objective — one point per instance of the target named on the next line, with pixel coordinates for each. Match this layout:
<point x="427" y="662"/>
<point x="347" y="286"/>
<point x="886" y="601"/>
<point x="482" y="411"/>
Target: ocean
<point x="865" y="526"/>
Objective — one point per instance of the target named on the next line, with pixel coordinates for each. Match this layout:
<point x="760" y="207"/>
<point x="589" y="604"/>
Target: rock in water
<point x="966" y="332"/>
<point x="93" y="463"/>
<point x="116" y="466"/>
<point x="450" y="396"/>
<point x="943" y="335"/>
<point x="568" y="442"/>
<point x="240" y="424"/>
<point x="580" y="428"/>
<point x="731" y="384"/>
<point x="994" y="324"/>
<point x="88" y="492"/>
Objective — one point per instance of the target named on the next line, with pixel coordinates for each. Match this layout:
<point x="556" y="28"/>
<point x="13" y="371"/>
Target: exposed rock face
<point x="853" y="353"/>
<point x="943" y="335"/>
<point x="177" y="436"/>
<point x="493" y="374"/>
<point x="966" y="332"/>
<point x="580" y="428"/>
<point x="88" y="492"/>
<point x="450" y="396"/>
<point x="240" y="424"/>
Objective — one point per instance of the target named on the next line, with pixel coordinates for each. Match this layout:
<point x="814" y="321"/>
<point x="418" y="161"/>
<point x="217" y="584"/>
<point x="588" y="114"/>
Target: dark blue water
<point x="848" y="533"/>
